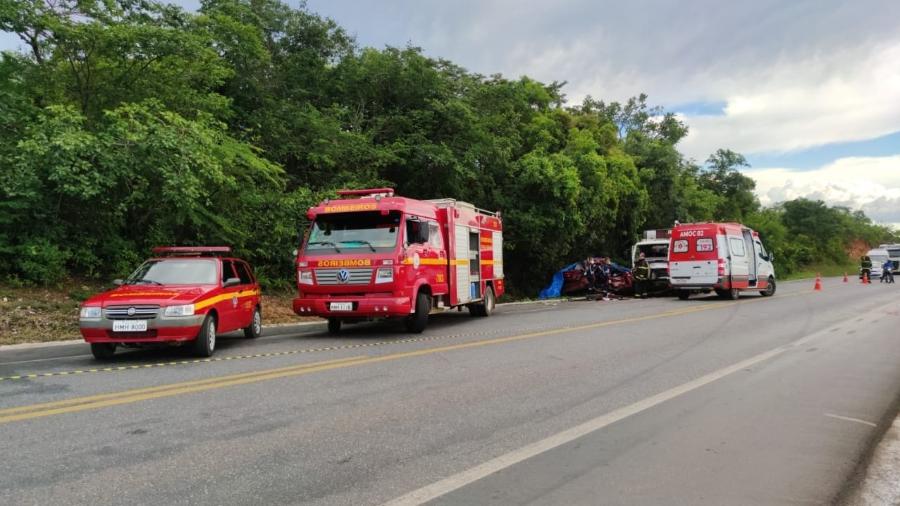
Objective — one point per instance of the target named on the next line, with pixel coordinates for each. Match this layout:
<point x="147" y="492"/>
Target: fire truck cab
<point x="725" y="257"/>
<point x="373" y="255"/>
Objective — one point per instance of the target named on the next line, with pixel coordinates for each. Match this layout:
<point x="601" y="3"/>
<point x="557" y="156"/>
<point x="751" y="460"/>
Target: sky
<point x="807" y="90"/>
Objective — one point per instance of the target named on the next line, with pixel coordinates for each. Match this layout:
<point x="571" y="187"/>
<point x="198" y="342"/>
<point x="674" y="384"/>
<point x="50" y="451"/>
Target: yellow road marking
<point x="136" y="395"/>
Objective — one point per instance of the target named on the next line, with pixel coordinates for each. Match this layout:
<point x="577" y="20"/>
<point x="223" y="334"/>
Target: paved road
<point x="758" y="401"/>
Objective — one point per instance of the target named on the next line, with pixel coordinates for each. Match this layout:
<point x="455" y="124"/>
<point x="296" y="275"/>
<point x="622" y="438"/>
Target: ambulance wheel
<point x="334" y="325"/>
<point x="103" y="351"/>
<point x="683" y="294"/>
<point x="486" y="308"/>
<point x="205" y="344"/>
<point x="733" y="294"/>
<point x="417" y="321"/>
<point x="770" y="288"/>
<point x="254" y="330"/>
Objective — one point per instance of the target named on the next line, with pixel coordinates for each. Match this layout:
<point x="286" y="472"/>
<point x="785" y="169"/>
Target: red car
<point x="183" y="295"/>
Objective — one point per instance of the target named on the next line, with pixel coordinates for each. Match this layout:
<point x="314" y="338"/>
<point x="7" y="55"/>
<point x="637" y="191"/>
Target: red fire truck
<point x="373" y="255"/>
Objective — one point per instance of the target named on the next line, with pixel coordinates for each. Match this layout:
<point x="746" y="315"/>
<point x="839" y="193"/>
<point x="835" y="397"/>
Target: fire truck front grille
<point x="348" y="277"/>
<point x="141" y="312"/>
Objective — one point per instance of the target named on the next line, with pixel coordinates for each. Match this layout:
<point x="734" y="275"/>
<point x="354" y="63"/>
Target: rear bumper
<point x="363" y="307"/>
<point x="159" y="330"/>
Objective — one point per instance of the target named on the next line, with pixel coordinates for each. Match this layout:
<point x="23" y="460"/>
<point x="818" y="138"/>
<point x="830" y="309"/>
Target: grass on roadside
<point x="825" y="270"/>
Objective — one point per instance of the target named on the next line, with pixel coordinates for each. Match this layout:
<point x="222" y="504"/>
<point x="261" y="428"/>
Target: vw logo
<point x="343" y="275"/>
<point x="131" y="311"/>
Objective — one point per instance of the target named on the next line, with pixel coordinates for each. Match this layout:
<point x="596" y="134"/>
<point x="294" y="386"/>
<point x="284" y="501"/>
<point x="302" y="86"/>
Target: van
<point x="727" y="258"/>
<point x="876" y="259"/>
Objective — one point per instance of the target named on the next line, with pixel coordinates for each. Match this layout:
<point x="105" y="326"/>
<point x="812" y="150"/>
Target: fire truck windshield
<point x="353" y="232"/>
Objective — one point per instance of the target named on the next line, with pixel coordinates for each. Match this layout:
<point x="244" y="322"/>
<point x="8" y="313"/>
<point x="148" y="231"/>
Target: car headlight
<point x="182" y="310"/>
<point x="305" y="277"/>
<point x="90" y="312"/>
<point x="384" y="275"/>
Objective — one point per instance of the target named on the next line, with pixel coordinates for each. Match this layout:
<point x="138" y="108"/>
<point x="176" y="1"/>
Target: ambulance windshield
<point x="354" y="233"/>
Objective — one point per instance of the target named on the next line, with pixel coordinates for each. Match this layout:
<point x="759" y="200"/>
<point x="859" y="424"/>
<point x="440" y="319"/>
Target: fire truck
<point x="373" y="255"/>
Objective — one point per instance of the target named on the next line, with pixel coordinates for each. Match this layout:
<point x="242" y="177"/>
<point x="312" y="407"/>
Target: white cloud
<point x="804" y="104"/>
<point x="870" y="184"/>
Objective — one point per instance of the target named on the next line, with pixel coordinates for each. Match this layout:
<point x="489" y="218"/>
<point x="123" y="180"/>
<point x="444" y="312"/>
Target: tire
<point x="103" y="351"/>
<point x="770" y="288"/>
<point x="334" y="326"/>
<point x="683" y="294"/>
<point x="205" y="344"/>
<point x="733" y="294"/>
<point x="254" y="330"/>
<point x="486" y="308"/>
<point x="417" y="321"/>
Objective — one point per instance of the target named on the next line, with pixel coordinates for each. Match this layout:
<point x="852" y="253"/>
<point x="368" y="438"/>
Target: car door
<point x="227" y="307"/>
<point x="248" y="295"/>
<point x="740" y="262"/>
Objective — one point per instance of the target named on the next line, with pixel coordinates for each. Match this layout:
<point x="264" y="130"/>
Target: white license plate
<point x="341" y="306"/>
<point x="129" y="325"/>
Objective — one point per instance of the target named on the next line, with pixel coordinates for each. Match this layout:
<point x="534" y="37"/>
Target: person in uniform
<point x="641" y="277"/>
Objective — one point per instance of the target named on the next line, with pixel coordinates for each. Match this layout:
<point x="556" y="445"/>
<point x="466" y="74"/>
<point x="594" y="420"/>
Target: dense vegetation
<point x="129" y="123"/>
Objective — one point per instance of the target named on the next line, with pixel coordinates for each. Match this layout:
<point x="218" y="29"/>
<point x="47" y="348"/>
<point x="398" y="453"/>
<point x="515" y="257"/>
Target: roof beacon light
<point x="370" y="192"/>
<point x="192" y="250"/>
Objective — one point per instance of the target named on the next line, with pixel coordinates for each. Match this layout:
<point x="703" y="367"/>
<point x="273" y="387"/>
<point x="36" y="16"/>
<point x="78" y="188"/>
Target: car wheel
<point x="103" y="351"/>
<point x="734" y="294"/>
<point x="254" y="330"/>
<point x="205" y="344"/>
<point x="683" y="294"/>
<point x="334" y="325"/>
<point x="770" y="288"/>
<point x="417" y="321"/>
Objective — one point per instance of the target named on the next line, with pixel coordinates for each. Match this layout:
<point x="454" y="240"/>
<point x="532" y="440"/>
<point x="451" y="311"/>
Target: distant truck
<point x="893" y="253"/>
<point x="727" y="258"/>
<point x="655" y="247"/>
<point x="373" y="255"/>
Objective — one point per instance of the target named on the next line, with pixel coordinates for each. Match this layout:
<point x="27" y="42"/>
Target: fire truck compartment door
<point x="461" y="263"/>
<point x="498" y="255"/>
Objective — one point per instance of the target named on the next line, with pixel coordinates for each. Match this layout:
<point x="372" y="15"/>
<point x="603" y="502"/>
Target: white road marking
<point x="851" y="419"/>
<point x="464" y="478"/>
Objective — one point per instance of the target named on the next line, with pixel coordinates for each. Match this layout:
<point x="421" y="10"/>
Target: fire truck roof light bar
<point x="191" y="250"/>
<point x="384" y="192"/>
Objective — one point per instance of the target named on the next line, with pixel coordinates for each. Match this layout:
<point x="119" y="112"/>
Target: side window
<point x="762" y="251"/>
<point x="414" y="231"/>
<point x="680" y="246"/>
<point x="705" y="244"/>
<point x="227" y="270"/>
<point x="243" y="271"/>
<point x="737" y="247"/>
<point x="434" y="235"/>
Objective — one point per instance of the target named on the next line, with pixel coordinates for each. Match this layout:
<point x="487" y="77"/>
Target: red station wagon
<point x="185" y="294"/>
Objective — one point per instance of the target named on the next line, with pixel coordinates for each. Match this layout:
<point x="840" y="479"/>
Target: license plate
<point x="129" y="325"/>
<point x="341" y="306"/>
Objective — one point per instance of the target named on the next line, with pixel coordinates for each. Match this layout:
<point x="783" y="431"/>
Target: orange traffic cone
<point x="865" y="280"/>
<point x="818" y="286"/>
<point x="845" y="277"/>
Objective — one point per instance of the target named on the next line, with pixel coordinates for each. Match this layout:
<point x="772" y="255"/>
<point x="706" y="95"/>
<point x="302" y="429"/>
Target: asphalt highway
<point x="757" y="401"/>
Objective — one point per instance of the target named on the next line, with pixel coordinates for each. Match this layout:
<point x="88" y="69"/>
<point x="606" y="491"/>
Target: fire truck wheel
<point x="486" y="308"/>
<point x="103" y="351"/>
<point x="254" y="330"/>
<point x="683" y="294"/>
<point x="770" y="288"/>
<point x="417" y="321"/>
<point x="205" y="344"/>
<point x="334" y="325"/>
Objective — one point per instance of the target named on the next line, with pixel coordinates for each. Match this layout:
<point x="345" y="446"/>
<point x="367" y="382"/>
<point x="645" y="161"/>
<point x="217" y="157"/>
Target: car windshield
<point x="353" y="233"/>
<point x="878" y="259"/>
<point x="175" y="272"/>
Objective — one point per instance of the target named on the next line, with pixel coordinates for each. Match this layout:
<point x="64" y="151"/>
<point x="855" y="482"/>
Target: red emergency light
<point x="192" y="250"/>
<point x="383" y="192"/>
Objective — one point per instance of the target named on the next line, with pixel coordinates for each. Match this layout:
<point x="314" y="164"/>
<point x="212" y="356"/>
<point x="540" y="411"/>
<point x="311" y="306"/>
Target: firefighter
<point x="865" y="264"/>
<point x="641" y="277"/>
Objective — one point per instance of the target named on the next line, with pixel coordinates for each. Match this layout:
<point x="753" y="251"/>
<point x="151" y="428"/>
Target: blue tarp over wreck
<point x="556" y="284"/>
